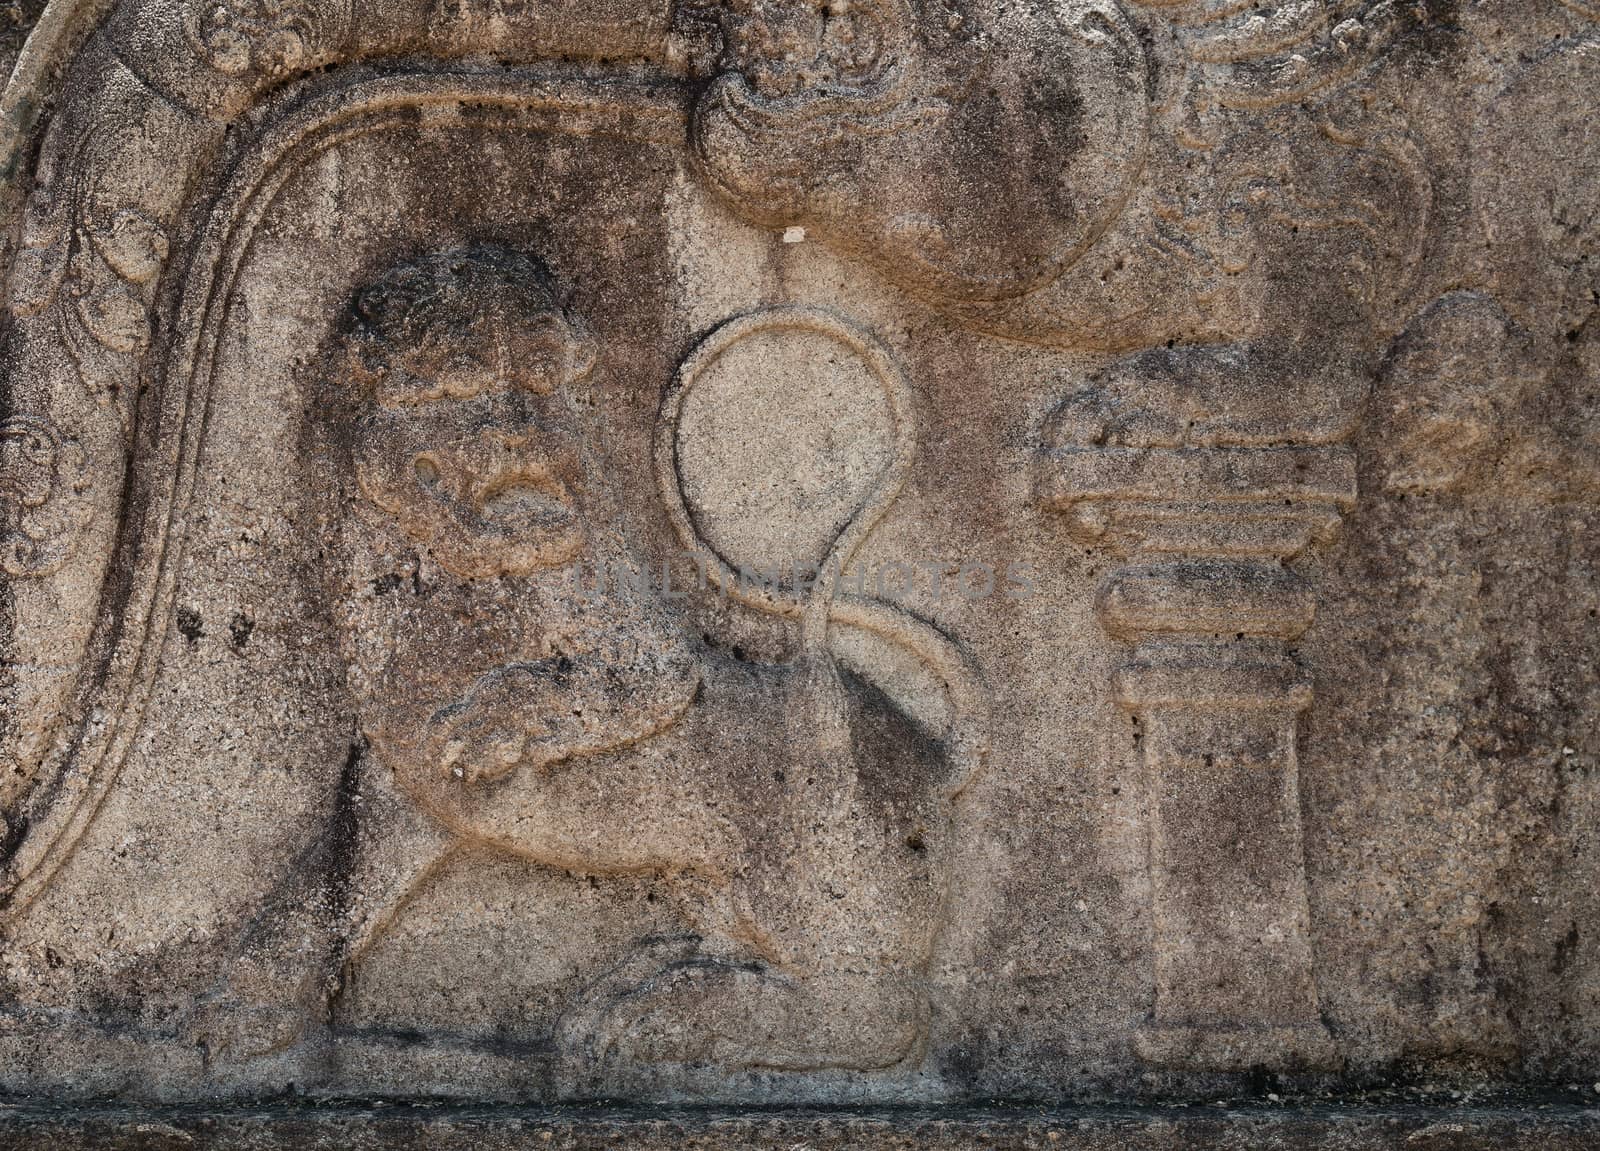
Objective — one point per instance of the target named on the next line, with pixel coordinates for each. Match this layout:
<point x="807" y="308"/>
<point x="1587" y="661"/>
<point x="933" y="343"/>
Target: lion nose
<point x="506" y="480"/>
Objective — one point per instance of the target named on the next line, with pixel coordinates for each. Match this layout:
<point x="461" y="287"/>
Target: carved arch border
<point x="125" y="649"/>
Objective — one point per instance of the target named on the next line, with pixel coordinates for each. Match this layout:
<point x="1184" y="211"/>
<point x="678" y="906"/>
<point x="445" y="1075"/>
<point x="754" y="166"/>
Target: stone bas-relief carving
<point x="519" y="711"/>
<point x="753" y="553"/>
<point x="43" y="482"/>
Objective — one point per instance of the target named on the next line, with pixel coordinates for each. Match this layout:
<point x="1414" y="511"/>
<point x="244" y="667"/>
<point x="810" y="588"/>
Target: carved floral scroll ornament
<point x="1256" y="56"/>
<point x="94" y="267"/>
<point x="270" y="37"/>
<point x="43" y="497"/>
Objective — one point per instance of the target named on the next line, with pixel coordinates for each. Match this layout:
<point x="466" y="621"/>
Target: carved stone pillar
<point x="1208" y="610"/>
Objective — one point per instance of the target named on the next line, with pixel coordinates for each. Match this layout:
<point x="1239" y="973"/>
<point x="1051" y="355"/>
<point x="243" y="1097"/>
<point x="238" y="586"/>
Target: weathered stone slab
<point x="881" y="554"/>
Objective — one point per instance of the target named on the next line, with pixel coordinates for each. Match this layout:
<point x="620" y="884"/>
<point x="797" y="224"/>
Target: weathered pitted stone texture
<point x="1515" y="1124"/>
<point x="841" y="554"/>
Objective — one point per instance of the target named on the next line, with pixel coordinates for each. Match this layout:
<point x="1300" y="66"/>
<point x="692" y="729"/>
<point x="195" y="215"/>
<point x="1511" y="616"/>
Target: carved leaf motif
<point x="801" y="51"/>
<point x="1279" y="51"/>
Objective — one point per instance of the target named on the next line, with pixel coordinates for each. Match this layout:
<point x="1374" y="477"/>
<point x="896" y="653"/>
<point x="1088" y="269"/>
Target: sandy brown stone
<point x="878" y="553"/>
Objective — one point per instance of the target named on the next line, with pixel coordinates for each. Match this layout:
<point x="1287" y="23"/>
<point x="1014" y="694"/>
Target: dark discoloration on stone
<point x="401" y="399"/>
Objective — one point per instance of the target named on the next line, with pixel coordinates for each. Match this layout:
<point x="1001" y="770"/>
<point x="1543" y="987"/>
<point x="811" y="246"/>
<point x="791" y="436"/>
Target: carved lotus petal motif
<point x="134" y="246"/>
<point x="116" y="318"/>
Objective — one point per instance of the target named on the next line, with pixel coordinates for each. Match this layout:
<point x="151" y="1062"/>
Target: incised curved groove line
<point x="54" y="38"/>
<point x="868" y="512"/>
<point x="825" y="606"/>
